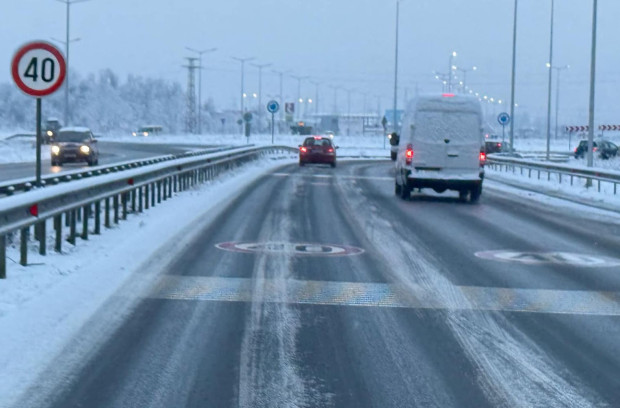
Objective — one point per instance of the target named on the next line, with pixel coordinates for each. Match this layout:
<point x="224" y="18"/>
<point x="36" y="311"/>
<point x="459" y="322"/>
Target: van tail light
<point x="409" y="154"/>
<point x="303" y="149"/>
<point x="483" y="158"/>
<point x="575" y="150"/>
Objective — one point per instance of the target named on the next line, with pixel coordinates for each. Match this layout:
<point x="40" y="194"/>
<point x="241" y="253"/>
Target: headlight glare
<point x="55" y="149"/>
<point x="85" y="149"/>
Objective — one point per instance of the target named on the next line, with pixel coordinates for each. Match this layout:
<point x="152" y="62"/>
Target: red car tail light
<point x="330" y="150"/>
<point x="409" y="154"/>
<point x="483" y="158"/>
<point x="595" y="149"/>
<point x="303" y="149"/>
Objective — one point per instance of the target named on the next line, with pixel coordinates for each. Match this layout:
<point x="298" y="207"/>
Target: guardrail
<point x="561" y="171"/>
<point x="26" y="184"/>
<point x="113" y="195"/>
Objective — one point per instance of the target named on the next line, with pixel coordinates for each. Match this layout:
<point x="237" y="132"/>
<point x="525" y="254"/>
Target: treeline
<point x="106" y="104"/>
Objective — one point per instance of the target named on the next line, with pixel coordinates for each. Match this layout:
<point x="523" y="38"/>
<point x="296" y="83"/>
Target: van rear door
<point x="449" y="140"/>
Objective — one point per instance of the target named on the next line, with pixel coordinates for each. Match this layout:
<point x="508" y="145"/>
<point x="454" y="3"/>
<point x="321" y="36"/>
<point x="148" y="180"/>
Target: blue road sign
<point x="503" y="118"/>
<point x="273" y="106"/>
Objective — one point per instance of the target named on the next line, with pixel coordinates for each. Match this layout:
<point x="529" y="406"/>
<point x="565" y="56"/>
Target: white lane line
<point x="387" y="295"/>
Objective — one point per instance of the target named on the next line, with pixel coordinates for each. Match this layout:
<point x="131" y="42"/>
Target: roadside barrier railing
<point x="564" y="172"/>
<point x="107" y="199"/>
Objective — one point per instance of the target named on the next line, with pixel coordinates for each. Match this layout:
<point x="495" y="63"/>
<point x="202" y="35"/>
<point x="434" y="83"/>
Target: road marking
<point x="288" y="248"/>
<point x="362" y="294"/>
<point x="559" y="258"/>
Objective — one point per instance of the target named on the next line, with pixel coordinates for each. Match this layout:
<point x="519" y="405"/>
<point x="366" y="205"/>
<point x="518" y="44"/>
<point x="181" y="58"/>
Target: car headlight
<point x="145" y="133"/>
<point x="85" y="149"/>
<point x="55" y="149"/>
<point x="50" y="133"/>
<point x="134" y="133"/>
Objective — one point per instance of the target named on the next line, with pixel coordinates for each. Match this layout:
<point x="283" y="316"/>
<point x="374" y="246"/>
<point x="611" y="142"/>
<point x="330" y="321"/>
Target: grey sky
<point x="345" y="43"/>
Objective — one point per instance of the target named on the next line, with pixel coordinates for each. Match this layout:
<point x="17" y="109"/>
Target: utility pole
<point x="592" y="90"/>
<point x="190" y="125"/>
<point x="450" y="69"/>
<point x="243" y="61"/>
<point x="512" y="81"/>
<point x="394" y="116"/>
<point x="281" y="95"/>
<point x="68" y="4"/>
<point x="299" y="99"/>
<point x="200" y="53"/>
<point x="316" y="97"/>
<point x="558" y="71"/>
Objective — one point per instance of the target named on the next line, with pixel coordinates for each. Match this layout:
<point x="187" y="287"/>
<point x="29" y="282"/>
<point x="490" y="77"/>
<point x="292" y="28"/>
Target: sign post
<point x="272" y="107"/>
<point x="38" y="69"/>
<point x="247" y="118"/>
<point x="504" y="119"/>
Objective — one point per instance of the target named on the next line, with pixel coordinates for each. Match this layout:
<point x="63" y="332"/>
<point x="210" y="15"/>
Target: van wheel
<point x="476" y="192"/>
<point x="397" y="188"/>
<point x="393" y="156"/>
<point x="463" y="195"/>
<point x="405" y="192"/>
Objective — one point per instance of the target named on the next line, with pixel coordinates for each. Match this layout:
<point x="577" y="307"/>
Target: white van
<point x="440" y="147"/>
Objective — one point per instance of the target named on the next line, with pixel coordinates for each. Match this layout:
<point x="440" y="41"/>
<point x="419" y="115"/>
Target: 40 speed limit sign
<point x="38" y="68"/>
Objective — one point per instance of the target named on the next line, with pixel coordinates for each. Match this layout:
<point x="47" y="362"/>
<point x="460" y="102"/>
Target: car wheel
<point x="397" y="188"/>
<point x="301" y="164"/>
<point x="333" y="164"/>
<point x="405" y="192"/>
<point x="476" y="192"/>
<point x="393" y="156"/>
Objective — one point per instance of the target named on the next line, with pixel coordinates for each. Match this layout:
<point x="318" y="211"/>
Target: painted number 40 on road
<point x="38" y="68"/>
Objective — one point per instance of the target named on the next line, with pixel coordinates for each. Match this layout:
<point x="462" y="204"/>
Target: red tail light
<point x="34" y="210"/>
<point x="595" y="149"/>
<point x="575" y="150"/>
<point x="409" y="154"/>
<point x="330" y="150"/>
<point x="483" y="157"/>
<point x="303" y="149"/>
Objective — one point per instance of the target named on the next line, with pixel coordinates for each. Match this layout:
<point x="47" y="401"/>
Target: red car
<point x="317" y="149"/>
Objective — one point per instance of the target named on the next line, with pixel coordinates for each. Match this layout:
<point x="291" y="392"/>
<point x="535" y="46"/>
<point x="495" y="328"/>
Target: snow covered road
<point x="318" y="287"/>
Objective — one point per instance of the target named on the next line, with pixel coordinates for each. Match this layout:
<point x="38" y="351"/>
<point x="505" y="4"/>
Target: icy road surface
<point x="317" y="287"/>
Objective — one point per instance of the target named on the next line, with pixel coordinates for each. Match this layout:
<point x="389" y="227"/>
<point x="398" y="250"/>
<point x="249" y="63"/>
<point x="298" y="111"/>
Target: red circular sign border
<point x="33" y="46"/>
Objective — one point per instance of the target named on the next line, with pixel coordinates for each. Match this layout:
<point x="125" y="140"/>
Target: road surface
<point x="319" y="288"/>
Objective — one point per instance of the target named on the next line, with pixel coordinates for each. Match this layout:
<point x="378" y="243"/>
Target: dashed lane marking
<point x="360" y="294"/>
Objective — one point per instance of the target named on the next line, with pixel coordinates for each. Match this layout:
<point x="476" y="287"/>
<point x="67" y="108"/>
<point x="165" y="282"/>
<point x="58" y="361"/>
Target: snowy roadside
<point x="45" y="305"/>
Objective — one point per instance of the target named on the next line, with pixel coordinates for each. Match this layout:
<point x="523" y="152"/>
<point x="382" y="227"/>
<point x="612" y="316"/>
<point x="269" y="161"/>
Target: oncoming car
<point x="317" y="149"/>
<point x="76" y="144"/>
<point x="148" y="131"/>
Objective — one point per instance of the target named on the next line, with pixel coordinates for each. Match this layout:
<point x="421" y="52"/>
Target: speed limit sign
<point x="38" y="68"/>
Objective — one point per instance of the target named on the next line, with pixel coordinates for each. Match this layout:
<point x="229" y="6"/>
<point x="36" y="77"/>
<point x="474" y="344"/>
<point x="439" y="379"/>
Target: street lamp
<point x="281" y="96"/>
<point x="512" y="81"/>
<point x="451" y="68"/>
<point x="592" y="88"/>
<point x="200" y="53"/>
<point x="550" y="64"/>
<point x="316" y="96"/>
<point x="335" y="88"/>
<point x="395" y="124"/>
<point x="558" y="70"/>
<point x="464" y="71"/>
<point x="260" y="89"/>
<point x="299" y="78"/>
<point x="243" y="61"/>
<point x="67" y="41"/>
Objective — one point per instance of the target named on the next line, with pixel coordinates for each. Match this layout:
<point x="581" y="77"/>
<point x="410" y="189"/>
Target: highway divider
<point x="111" y="196"/>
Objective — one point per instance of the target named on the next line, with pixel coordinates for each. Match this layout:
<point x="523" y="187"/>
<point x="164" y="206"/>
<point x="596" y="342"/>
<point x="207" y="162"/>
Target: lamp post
<point x="592" y="90"/>
<point x="335" y="88"/>
<point x="67" y="41"/>
<point x="281" y="96"/>
<point x="451" y="68"/>
<point x="243" y="61"/>
<point x="299" y="79"/>
<point x="558" y="71"/>
<point x="200" y="53"/>
<point x="316" y="97"/>
<point x="395" y="106"/>
<point x="512" y="81"/>
<point x="464" y="71"/>
<point x="260" y="90"/>
<point x="550" y="64"/>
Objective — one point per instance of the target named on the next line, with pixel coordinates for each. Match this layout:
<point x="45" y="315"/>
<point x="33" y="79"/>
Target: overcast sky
<point x="347" y="43"/>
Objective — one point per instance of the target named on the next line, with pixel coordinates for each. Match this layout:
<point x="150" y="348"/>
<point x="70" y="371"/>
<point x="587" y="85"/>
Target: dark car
<point x="75" y="145"/>
<point x="495" y="146"/>
<point x="317" y="149"/>
<point x="604" y="148"/>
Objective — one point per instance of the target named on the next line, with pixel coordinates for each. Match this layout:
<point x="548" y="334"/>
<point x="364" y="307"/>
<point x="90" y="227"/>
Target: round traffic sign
<point x="38" y="68"/>
<point x="503" y="118"/>
<point x="273" y="106"/>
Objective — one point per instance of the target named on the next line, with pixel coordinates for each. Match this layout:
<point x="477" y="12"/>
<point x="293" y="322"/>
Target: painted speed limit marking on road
<point x="558" y="258"/>
<point x="296" y="249"/>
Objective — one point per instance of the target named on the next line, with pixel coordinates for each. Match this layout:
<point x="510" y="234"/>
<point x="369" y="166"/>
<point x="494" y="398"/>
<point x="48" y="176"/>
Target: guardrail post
<point x="115" y="204"/>
<point x="72" y="234"/>
<point x="58" y="228"/>
<point x="175" y="182"/>
<point x="124" y="200"/>
<point x="107" y="212"/>
<point x="67" y="218"/>
<point x="599" y="186"/>
<point x="97" y="217"/>
<point x="152" y="194"/>
<point x="133" y="200"/>
<point x="560" y="177"/>
<point x="2" y="257"/>
<point x="23" y="247"/>
<point x="170" y="182"/>
<point x="140" y="199"/>
<point x="42" y="238"/>
<point x="548" y="175"/>
<point x="86" y="209"/>
<point x="146" y="197"/>
<point x="158" y="191"/>
<point x="79" y="214"/>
